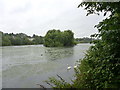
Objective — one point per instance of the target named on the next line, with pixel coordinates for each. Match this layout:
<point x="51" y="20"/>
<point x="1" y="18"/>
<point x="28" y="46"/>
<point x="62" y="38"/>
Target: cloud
<point x="22" y="9"/>
<point x="39" y="16"/>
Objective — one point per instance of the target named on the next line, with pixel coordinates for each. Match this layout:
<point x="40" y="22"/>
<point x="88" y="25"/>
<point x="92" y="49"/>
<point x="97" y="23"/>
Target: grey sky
<point x="39" y="16"/>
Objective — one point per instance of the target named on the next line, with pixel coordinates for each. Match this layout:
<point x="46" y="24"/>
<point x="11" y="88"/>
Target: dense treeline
<point x="53" y="38"/>
<point x="20" y="39"/>
<point x="100" y="68"/>
<point x="84" y="40"/>
<point x="56" y="38"/>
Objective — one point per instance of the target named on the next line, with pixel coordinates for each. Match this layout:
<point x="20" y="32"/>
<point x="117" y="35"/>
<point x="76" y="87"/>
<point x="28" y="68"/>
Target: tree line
<point x="53" y="38"/>
<point x="84" y="40"/>
<point x="9" y="39"/>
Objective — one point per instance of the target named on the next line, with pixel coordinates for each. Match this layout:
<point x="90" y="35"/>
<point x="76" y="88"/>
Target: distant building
<point x="31" y="39"/>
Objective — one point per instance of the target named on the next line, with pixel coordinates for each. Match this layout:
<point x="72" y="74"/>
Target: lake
<point x="27" y="66"/>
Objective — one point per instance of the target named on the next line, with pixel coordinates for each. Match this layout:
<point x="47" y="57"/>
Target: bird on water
<point x="69" y="67"/>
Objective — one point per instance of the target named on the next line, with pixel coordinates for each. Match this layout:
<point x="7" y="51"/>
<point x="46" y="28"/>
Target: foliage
<point x="84" y="40"/>
<point x="100" y="66"/>
<point x="37" y="39"/>
<point x="20" y="39"/>
<point x="58" y="83"/>
<point x="56" y="38"/>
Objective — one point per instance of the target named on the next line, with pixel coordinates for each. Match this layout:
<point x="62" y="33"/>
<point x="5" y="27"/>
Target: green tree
<point x="100" y="67"/>
<point x="68" y="38"/>
<point x="37" y="39"/>
<point x="5" y="40"/>
<point x="56" y="38"/>
<point x="53" y="38"/>
<point x="20" y="39"/>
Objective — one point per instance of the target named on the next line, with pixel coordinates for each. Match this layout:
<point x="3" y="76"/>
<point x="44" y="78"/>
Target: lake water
<point x="27" y="66"/>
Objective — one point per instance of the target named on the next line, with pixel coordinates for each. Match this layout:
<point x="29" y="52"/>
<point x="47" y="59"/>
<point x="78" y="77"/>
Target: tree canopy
<point x="56" y="38"/>
<point x="20" y="39"/>
<point x="84" y="40"/>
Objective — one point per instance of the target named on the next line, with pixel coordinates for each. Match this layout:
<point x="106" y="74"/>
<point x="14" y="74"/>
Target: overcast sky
<point x="39" y="16"/>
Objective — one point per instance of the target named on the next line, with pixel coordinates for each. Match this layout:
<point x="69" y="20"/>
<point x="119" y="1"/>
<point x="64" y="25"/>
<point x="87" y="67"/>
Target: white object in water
<point x="69" y="67"/>
<point x="75" y="66"/>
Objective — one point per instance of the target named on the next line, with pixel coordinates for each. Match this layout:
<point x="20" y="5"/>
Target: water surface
<point x="26" y="66"/>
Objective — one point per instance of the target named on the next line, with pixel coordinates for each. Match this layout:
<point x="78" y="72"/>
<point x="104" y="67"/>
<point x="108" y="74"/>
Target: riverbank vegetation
<point x="84" y="40"/>
<point x="56" y="38"/>
<point x="100" y="66"/>
<point x="20" y="39"/>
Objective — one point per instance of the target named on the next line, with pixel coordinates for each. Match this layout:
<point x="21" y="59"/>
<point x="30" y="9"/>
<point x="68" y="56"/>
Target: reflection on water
<point x="26" y="66"/>
<point x="58" y="53"/>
